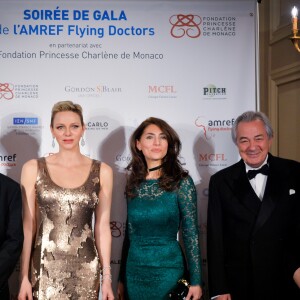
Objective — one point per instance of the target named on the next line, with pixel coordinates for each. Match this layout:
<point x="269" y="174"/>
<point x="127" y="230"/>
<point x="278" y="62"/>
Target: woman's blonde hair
<point x="66" y="106"/>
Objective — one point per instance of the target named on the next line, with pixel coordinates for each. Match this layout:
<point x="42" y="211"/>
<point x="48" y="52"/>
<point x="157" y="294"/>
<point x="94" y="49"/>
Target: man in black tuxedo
<point x="254" y="220"/>
<point x="11" y="230"/>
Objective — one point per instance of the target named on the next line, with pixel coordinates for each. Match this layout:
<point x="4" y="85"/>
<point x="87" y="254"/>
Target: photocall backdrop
<point x="191" y="63"/>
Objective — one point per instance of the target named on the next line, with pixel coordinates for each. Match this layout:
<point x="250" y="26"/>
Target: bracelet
<point x="109" y="277"/>
<point x="104" y="268"/>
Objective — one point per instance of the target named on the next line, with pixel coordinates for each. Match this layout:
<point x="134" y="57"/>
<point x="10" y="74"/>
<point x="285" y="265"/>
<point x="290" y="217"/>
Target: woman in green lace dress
<point x="160" y="196"/>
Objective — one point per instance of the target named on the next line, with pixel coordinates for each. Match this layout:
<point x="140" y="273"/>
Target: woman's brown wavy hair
<point x="172" y="171"/>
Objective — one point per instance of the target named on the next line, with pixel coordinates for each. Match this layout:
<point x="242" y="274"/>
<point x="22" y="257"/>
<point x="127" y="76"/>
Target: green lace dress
<point x="152" y="257"/>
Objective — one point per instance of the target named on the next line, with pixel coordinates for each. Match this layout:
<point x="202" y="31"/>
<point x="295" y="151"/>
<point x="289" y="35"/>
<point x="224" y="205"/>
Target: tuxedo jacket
<point x="11" y="230"/>
<point x="253" y="245"/>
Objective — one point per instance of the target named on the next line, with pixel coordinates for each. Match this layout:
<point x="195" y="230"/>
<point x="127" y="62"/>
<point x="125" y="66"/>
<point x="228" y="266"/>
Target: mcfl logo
<point x="185" y="25"/>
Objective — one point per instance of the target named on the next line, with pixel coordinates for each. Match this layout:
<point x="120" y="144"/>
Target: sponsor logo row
<point x="207" y="126"/>
<point x="11" y="91"/>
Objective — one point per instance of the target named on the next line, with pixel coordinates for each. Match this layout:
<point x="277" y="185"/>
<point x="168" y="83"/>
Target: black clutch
<point x="180" y="291"/>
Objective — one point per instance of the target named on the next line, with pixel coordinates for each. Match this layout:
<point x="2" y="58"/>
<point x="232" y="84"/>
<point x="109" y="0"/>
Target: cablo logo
<point x="185" y="25"/>
<point x="213" y="92"/>
<point x="97" y="125"/>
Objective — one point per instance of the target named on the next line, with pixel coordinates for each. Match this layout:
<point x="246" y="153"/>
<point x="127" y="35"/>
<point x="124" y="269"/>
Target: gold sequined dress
<point x="65" y="262"/>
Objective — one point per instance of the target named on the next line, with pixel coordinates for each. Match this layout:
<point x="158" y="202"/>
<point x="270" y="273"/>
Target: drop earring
<point x="82" y="143"/>
<point x="53" y="142"/>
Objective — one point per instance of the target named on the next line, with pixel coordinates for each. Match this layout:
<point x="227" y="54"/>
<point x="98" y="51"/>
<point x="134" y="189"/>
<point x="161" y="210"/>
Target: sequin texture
<point x="65" y="262"/>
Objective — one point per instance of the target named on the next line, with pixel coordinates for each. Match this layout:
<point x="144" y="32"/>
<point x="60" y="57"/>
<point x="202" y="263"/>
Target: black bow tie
<point x="263" y="170"/>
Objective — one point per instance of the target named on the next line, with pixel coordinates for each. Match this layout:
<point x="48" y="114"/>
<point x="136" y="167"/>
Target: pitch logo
<point x="6" y="91"/>
<point x="213" y="92"/>
<point x="185" y="25"/>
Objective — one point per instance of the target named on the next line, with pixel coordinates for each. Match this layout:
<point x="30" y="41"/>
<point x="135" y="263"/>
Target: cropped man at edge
<point x="11" y="230"/>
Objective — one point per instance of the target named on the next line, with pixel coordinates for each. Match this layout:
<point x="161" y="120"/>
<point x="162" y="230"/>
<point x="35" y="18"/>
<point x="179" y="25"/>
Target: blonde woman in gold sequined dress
<point x="62" y="251"/>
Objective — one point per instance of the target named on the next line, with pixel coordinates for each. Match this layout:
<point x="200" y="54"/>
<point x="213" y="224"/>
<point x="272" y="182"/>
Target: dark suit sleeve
<point x="215" y="248"/>
<point x="293" y="255"/>
<point x="12" y="241"/>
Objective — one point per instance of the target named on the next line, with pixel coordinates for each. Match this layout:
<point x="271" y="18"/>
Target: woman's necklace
<point x="155" y="172"/>
<point x="155" y="168"/>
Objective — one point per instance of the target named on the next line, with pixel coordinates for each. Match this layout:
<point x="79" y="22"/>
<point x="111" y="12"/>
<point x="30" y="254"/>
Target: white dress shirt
<point x="258" y="183"/>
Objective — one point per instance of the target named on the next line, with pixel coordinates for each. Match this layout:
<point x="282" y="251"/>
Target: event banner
<point x="191" y="63"/>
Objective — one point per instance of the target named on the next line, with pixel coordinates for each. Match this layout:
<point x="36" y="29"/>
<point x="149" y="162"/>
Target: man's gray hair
<point x="250" y="116"/>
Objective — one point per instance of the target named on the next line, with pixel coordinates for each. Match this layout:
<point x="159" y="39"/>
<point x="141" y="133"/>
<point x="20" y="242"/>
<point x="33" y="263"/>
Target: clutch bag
<point x="180" y="291"/>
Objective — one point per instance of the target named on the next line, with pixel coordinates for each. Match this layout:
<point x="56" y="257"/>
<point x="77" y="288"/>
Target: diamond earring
<point x="82" y="142"/>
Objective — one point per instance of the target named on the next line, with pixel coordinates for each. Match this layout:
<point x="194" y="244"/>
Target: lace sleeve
<point x="125" y="249"/>
<point x="187" y="199"/>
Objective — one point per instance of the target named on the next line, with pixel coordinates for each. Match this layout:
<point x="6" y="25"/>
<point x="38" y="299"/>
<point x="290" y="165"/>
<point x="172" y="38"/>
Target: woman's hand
<point x="297" y="277"/>
<point x="195" y="293"/>
<point x="107" y="293"/>
<point x="25" y="292"/>
<point x="120" y="291"/>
